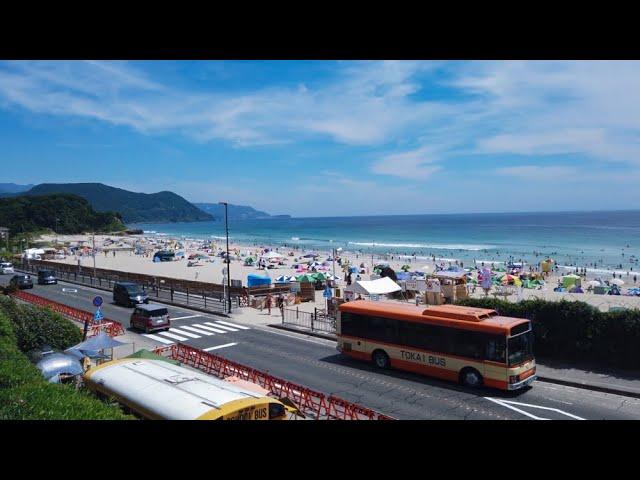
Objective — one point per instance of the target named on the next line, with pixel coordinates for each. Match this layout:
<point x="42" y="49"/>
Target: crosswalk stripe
<point x="227" y="328"/>
<point x="171" y="335"/>
<point x="233" y="325"/>
<point x="182" y="332"/>
<point x="188" y="316"/>
<point x="217" y="327"/>
<point x="217" y="330"/>
<point x="203" y="332"/>
<point x="157" y="339"/>
<point x="220" y="346"/>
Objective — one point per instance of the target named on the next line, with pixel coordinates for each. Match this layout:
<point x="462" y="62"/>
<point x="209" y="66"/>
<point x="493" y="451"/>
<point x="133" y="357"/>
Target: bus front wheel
<point x="381" y="359"/>
<point x="470" y="377"/>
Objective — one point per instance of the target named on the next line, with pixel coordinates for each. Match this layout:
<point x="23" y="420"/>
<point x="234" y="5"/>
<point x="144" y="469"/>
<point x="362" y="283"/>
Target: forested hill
<point x="64" y="213"/>
<point x="133" y="207"/>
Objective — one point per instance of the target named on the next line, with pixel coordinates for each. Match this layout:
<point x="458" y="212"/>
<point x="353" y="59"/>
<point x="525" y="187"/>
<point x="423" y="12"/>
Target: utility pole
<point x="228" y="260"/>
<point x="94" y="254"/>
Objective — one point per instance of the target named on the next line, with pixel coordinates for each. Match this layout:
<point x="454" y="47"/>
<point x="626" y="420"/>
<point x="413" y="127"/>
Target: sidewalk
<point x="591" y="377"/>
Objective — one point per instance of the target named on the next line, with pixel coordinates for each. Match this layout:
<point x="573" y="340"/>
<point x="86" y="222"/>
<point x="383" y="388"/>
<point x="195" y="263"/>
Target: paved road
<point x="316" y="364"/>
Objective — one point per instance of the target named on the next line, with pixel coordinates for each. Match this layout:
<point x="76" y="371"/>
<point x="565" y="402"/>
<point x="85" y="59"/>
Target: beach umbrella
<point x="305" y="278"/>
<point x="319" y="276"/>
<point x="616" y="281"/>
<point x="282" y="279"/>
<point x="593" y="283"/>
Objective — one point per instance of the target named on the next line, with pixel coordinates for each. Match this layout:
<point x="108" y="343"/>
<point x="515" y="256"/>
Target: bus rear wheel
<point x="470" y="377"/>
<point x="381" y="359"/>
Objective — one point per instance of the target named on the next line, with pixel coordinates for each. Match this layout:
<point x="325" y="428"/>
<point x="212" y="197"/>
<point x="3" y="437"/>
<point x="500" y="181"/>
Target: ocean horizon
<point x="597" y="239"/>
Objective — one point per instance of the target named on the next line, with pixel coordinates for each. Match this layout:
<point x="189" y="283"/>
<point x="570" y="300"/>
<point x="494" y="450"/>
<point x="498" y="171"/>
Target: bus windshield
<point x="520" y="348"/>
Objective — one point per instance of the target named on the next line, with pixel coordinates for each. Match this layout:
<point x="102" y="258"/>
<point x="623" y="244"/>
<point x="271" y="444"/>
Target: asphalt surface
<point x="316" y="364"/>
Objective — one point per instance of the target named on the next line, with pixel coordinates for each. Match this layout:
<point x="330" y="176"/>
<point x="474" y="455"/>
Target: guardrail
<point x="110" y="327"/>
<point x="314" y="404"/>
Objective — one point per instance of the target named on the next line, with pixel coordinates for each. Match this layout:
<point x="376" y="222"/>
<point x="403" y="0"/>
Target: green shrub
<point x="575" y="330"/>
<point x="26" y="395"/>
<point x="36" y="326"/>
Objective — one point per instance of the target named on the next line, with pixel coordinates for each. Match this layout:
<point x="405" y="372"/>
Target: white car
<point x="6" y="268"/>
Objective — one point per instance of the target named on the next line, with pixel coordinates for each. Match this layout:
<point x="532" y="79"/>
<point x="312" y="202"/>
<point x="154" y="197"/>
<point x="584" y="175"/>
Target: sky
<point x="332" y="138"/>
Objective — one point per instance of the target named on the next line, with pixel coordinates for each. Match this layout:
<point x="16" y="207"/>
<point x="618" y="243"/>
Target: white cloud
<point x="536" y="172"/>
<point x="411" y="165"/>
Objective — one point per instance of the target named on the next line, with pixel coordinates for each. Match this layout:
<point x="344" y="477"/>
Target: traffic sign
<point x="97" y="301"/>
<point x="98" y="315"/>
<point x="327" y="293"/>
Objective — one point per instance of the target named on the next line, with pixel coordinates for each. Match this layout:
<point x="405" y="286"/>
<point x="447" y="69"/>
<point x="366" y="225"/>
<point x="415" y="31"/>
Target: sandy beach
<point x="112" y="257"/>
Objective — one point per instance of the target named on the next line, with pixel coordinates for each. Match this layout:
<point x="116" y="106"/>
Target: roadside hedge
<point x="36" y="326"/>
<point x="26" y="395"/>
<point x="575" y="331"/>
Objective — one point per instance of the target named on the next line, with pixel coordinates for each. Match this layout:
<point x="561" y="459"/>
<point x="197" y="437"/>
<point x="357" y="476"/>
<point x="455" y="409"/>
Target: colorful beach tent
<point x="253" y="280"/>
<point x="570" y="280"/>
<point x="307" y="277"/>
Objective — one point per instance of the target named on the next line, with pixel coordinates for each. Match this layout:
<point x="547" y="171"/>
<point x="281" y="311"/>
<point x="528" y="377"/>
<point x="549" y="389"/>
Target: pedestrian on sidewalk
<point x="269" y="303"/>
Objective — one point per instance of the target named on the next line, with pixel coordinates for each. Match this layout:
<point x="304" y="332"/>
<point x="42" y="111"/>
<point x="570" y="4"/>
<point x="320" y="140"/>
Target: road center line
<point x="220" y="346"/>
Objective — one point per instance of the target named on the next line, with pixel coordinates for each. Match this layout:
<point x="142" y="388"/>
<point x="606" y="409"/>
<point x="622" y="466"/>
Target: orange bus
<point x="473" y="346"/>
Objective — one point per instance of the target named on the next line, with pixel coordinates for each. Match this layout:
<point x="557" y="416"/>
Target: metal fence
<point x="316" y="321"/>
<point x="213" y="301"/>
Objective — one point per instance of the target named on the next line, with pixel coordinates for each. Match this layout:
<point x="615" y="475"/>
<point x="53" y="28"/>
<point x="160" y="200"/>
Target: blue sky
<point x="323" y="138"/>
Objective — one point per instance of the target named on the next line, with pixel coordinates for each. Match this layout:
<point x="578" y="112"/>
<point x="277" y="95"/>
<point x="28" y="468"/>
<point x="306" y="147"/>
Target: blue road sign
<point x="98" y="315"/>
<point x="327" y="293"/>
<point x="97" y="301"/>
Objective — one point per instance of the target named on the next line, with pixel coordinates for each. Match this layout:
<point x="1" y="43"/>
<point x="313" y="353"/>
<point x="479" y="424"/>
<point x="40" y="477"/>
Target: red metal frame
<point x="110" y="327"/>
<point x="312" y="403"/>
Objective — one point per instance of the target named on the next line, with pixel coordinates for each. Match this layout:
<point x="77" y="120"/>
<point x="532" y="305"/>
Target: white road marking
<point x="226" y="328"/>
<point x="197" y="330"/>
<point x="188" y="316"/>
<point x="508" y="403"/>
<point x="182" y="332"/>
<point x="217" y="330"/>
<point x="158" y="339"/>
<point x="233" y="325"/>
<point x="70" y="290"/>
<point x="171" y="335"/>
<point x="218" y="327"/>
<point x="516" y="409"/>
<point x="220" y="346"/>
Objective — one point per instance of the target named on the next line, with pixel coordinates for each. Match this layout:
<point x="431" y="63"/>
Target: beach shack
<point x="453" y="284"/>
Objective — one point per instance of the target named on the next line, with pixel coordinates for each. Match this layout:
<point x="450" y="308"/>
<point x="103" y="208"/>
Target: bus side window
<point x="495" y="350"/>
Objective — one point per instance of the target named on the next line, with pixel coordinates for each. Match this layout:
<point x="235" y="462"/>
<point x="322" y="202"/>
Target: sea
<point x="601" y="241"/>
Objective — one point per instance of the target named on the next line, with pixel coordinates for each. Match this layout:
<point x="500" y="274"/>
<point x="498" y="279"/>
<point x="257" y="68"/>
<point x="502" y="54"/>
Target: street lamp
<point x="226" y="227"/>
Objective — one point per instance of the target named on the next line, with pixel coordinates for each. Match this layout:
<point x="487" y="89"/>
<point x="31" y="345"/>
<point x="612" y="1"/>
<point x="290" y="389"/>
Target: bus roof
<point x="470" y="318"/>
<point x="162" y="390"/>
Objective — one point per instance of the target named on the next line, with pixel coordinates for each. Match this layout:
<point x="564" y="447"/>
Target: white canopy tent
<point x="381" y="286"/>
<point x="272" y="255"/>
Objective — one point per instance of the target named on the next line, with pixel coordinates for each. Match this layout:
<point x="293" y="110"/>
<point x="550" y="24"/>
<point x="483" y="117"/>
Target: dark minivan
<point x="21" y="281"/>
<point x="129" y="294"/>
<point x="150" y="318"/>
<point x="47" y="277"/>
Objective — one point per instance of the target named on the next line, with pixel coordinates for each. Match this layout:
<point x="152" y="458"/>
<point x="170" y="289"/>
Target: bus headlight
<point x="514" y="378"/>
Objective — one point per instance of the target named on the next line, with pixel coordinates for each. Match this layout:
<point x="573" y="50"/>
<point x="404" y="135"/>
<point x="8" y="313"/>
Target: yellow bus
<point x="159" y="390"/>
<point x="473" y="346"/>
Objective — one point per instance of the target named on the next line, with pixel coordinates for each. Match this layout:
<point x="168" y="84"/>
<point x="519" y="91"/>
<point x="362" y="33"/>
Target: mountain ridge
<point x="134" y="207"/>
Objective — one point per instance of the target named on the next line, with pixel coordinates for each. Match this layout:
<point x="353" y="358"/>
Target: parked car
<point x="129" y="294"/>
<point x="164" y="256"/>
<point x="47" y="277"/>
<point x="150" y="318"/>
<point x="21" y="281"/>
<point x="6" y="267"/>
